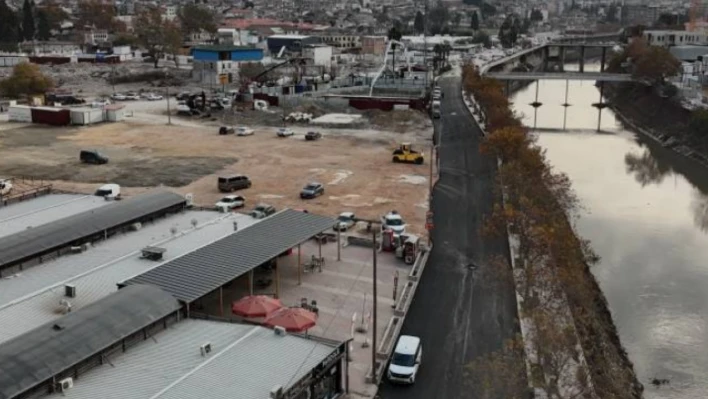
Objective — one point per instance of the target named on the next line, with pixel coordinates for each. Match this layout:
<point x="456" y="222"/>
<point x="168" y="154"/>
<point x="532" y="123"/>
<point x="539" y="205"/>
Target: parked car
<point x="311" y="136"/>
<point x="244" y="131"/>
<point x="153" y="97"/>
<point x="233" y="182"/>
<point x="108" y="191"/>
<point x="118" y="96"/>
<point x="5" y="187"/>
<point x="345" y="221"/>
<point x="262" y="211"/>
<point x="312" y="190"/>
<point x="132" y="96"/>
<point x="100" y="103"/>
<point x="405" y="360"/>
<point x="231" y="202"/>
<point x="183" y="109"/>
<point x="64" y="99"/>
<point x="284" y="132"/>
<point x="93" y="156"/>
<point x="226" y="130"/>
<point x="183" y="96"/>
<point x="393" y="221"/>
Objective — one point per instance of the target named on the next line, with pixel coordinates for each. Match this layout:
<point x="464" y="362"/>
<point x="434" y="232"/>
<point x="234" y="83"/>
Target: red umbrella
<point x="255" y="306"/>
<point x="292" y="319"/>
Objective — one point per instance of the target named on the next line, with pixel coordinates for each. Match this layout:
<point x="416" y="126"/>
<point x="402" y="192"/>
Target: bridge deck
<point x="596" y="76"/>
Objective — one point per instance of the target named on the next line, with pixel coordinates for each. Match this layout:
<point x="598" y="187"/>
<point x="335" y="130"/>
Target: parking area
<point x="342" y="291"/>
<point x="354" y="166"/>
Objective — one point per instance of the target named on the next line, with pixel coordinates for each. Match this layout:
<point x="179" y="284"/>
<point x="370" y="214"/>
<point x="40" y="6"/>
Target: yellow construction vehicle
<point x="405" y="153"/>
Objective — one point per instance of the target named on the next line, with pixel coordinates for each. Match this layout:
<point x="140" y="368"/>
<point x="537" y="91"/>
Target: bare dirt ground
<point x="354" y="165"/>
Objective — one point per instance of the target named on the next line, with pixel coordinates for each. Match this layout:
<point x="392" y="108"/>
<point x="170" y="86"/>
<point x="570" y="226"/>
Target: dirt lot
<point x="354" y="165"/>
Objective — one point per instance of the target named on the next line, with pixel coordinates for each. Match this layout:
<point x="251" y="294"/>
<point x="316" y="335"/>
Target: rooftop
<point x="224" y="47"/>
<point x="293" y="37"/>
<point x="45" y="209"/>
<point x="52" y="348"/>
<point x="206" y="269"/>
<point x="246" y="362"/>
<point x="31" y="298"/>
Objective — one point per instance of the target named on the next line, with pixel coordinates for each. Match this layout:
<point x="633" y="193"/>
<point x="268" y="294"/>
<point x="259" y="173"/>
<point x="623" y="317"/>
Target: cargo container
<point x="51" y="116"/>
<point x="20" y="113"/>
<point x="114" y="112"/>
<point x="86" y="116"/>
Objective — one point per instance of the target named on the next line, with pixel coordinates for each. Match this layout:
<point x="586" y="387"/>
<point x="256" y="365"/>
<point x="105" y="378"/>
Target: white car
<point x="231" y="202"/>
<point x="118" y="96"/>
<point x="393" y="221"/>
<point x="100" y="103"/>
<point x="132" y="96"/>
<point x="345" y="221"/>
<point x="108" y="191"/>
<point x="5" y="186"/>
<point x="153" y="97"/>
<point x="284" y="132"/>
<point x="244" y="131"/>
<point x="405" y="360"/>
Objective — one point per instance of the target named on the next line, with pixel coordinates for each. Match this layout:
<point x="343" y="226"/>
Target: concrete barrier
<point x="419" y="265"/>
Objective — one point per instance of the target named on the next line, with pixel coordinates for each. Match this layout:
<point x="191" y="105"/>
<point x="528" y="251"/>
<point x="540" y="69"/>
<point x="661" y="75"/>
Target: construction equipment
<point x="405" y="153"/>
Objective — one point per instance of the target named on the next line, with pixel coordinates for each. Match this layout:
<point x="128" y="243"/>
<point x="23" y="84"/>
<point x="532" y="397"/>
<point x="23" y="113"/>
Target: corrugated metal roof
<point x="45" y="209"/>
<point x="46" y="351"/>
<point x="206" y="269"/>
<point x="246" y="362"/>
<point x="25" y="244"/>
<point x="32" y="298"/>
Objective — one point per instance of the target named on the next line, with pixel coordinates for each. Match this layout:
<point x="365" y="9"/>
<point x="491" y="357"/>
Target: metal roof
<point x="31" y="298"/>
<point x="208" y="268"/>
<point x="42" y="353"/>
<point x="246" y="362"/>
<point x="34" y="241"/>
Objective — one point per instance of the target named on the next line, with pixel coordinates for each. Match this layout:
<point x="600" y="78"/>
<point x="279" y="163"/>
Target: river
<point x="645" y="211"/>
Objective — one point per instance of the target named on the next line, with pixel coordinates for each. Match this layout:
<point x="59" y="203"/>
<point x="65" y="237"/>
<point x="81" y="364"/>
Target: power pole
<point x="373" y="331"/>
<point x="425" y="41"/>
<point x="169" y="114"/>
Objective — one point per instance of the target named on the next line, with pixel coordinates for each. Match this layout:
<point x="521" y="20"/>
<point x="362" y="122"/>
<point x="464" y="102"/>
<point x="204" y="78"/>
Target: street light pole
<point x="169" y="114"/>
<point x="373" y="331"/>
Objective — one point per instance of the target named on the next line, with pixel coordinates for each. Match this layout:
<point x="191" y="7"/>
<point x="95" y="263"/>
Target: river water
<point x="645" y="210"/>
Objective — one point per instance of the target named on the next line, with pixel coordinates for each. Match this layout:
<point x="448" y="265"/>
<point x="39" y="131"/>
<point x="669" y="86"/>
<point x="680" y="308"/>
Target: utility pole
<point x="373" y="331"/>
<point x="425" y="41"/>
<point x="169" y="114"/>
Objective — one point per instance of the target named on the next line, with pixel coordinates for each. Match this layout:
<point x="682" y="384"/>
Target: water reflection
<point x="645" y="168"/>
<point x="700" y="210"/>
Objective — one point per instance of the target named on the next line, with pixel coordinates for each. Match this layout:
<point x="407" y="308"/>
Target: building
<point x="219" y="64"/>
<point x="667" y="38"/>
<point x="292" y="43"/>
<point x="51" y="47"/>
<point x="638" y="14"/>
<point x="342" y="41"/>
<point x="96" y="37"/>
<point x="373" y="45"/>
<point x="320" y="54"/>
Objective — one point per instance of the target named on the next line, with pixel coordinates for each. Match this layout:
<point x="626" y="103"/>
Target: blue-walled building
<point x="219" y="64"/>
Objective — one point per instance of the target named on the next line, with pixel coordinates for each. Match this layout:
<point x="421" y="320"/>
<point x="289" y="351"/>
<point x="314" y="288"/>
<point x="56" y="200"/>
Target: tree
<point x="9" y="28"/>
<point x="26" y="79"/>
<point x="488" y="10"/>
<point x="93" y="14"/>
<point x="43" y="28"/>
<point x="439" y="17"/>
<point x="611" y="13"/>
<point x="28" y="27"/>
<point x="456" y="19"/>
<point x="54" y="14"/>
<point x="394" y="34"/>
<point x="500" y="374"/>
<point x="195" y="18"/>
<point x="536" y="15"/>
<point x="474" y="21"/>
<point x="159" y="36"/>
<point x="698" y="124"/>
<point x="647" y="169"/>
<point x="419" y="23"/>
<point x="655" y="64"/>
<point x="125" y="39"/>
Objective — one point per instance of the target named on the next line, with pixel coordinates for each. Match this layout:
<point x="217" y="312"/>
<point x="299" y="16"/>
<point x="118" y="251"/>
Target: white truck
<point x="108" y="191"/>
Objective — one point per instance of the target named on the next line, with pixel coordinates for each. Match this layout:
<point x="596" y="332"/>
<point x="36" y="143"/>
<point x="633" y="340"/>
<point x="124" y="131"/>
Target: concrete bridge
<point x="594" y="76"/>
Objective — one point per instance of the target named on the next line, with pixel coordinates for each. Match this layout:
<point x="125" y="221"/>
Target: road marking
<point x="453" y="113"/>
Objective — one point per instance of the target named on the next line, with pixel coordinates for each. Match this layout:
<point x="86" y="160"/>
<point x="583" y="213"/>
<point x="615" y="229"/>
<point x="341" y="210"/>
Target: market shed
<point x="43" y="358"/>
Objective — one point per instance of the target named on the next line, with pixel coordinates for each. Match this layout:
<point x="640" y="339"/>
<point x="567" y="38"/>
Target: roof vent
<point x="64" y="306"/>
<point x="280" y="331"/>
<point x="205" y="349"/>
<point x="276" y="392"/>
<point x="70" y="291"/>
<point x="65" y="384"/>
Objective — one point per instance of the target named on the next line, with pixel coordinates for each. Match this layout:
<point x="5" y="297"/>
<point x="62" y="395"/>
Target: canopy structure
<point x="256" y="306"/>
<point x="292" y="319"/>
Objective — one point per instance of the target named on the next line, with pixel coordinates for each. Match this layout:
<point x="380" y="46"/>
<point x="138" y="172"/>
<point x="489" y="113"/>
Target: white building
<point x="96" y="37"/>
<point x="668" y="38"/>
<point x="320" y="54"/>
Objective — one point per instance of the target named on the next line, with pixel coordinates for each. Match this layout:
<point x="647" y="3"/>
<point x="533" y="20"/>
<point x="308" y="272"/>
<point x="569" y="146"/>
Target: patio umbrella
<point x="292" y="319"/>
<point x="255" y="306"/>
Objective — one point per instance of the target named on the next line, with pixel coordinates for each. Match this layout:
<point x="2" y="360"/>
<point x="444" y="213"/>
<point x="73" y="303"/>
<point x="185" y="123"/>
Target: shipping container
<point x="20" y="113"/>
<point x="114" y="112"/>
<point x="86" y="116"/>
<point x="51" y="116"/>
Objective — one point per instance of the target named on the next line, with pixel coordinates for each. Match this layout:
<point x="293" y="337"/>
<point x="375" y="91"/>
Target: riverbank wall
<point x="611" y="371"/>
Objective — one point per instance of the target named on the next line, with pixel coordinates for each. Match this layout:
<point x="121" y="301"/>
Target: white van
<point x="108" y="191"/>
<point x="405" y="360"/>
<point x="5" y="186"/>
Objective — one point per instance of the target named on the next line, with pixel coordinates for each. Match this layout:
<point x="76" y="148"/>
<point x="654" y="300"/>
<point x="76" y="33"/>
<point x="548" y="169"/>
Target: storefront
<point x="324" y="381"/>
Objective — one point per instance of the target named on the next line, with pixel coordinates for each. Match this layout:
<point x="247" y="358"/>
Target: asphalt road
<point x="458" y="311"/>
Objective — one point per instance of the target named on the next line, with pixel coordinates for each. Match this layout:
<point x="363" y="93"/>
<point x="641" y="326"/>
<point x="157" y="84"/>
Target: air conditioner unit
<point x="190" y="199"/>
<point x="280" y="331"/>
<point x="66" y="383"/>
<point x="205" y="349"/>
<point x="276" y="392"/>
<point x="70" y="291"/>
